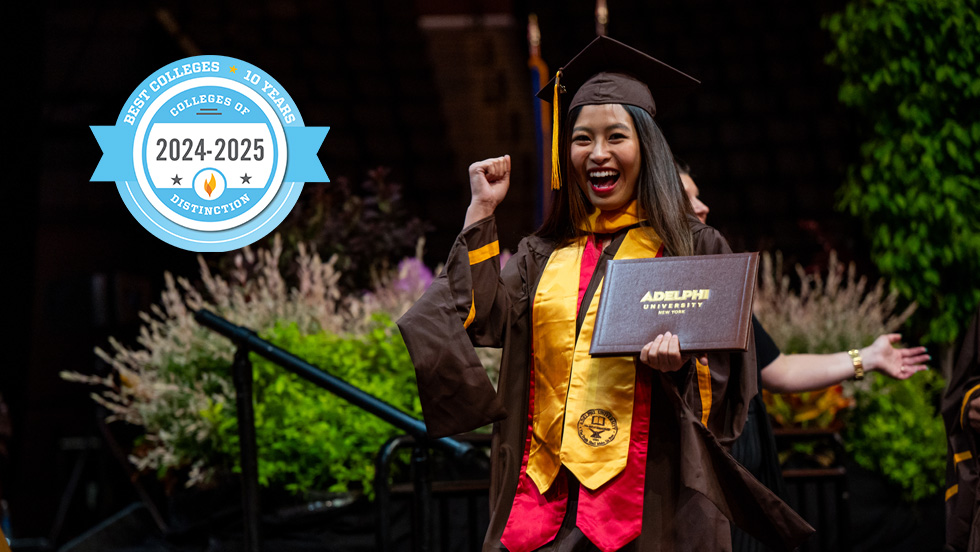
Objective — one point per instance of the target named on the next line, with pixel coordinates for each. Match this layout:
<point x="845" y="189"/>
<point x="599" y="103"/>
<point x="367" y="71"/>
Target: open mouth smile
<point x="603" y="181"/>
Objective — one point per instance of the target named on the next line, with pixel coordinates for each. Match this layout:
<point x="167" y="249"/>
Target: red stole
<point x="610" y="516"/>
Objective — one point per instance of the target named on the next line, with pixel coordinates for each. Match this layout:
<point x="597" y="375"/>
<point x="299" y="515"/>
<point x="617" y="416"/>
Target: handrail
<point x="383" y="491"/>
<point x="366" y="401"/>
<point x="247" y="340"/>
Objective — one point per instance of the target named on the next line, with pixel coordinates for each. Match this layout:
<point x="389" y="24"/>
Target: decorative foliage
<point x="367" y="229"/>
<point x="309" y="438"/>
<point x="893" y="427"/>
<point x="177" y="383"/>
<point x="829" y="313"/>
<point x="910" y="74"/>
<point x="809" y="409"/>
<point x="895" y="430"/>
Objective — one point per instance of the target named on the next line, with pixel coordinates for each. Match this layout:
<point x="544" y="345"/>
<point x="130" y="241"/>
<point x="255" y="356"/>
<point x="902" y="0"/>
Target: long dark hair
<point x="660" y="192"/>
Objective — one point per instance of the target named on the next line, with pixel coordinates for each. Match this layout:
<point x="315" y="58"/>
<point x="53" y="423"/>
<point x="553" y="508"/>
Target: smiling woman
<point x="621" y="453"/>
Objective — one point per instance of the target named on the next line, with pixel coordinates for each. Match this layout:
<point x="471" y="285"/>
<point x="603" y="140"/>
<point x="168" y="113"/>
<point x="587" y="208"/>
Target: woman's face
<point x="605" y="155"/>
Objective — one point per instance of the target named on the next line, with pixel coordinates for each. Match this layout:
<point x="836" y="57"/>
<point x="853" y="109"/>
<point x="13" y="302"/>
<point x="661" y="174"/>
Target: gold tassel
<point x="556" y="112"/>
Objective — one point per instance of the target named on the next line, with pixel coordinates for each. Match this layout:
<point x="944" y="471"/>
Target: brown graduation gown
<point x="692" y="483"/>
<point x="962" y="484"/>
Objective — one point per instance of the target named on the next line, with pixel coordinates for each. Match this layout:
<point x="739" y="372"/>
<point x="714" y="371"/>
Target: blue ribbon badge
<point x="210" y="153"/>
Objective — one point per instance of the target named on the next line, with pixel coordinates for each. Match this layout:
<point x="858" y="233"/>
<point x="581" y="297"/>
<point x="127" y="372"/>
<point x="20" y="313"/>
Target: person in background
<point x="780" y="373"/>
<point x="961" y="414"/>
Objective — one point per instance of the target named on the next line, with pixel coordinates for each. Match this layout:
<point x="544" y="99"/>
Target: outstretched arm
<point x="796" y="373"/>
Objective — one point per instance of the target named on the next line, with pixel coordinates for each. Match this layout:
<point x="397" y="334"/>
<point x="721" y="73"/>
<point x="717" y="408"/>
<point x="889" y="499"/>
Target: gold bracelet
<point x="858" y="365"/>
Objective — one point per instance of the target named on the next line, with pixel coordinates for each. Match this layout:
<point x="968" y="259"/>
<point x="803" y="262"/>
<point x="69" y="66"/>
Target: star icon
<point x="176" y="180"/>
<point x="246" y="179"/>
<point x="233" y="69"/>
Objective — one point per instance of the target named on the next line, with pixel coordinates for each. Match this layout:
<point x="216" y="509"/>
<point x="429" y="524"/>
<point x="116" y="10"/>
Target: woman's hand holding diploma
<point x="664" y="354"/>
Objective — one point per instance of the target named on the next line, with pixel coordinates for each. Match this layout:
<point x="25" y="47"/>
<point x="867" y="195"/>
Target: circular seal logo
<point x="210" y="153"/>
<point x="597" y="427"/>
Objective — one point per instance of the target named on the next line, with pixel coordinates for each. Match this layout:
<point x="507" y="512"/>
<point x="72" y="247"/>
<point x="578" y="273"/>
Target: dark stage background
<point x="424" y="88"/>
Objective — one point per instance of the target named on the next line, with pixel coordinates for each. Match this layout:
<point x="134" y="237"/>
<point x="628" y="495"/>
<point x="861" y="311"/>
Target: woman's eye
<point x="580" y="138"/>
<point x="617" y="136"/>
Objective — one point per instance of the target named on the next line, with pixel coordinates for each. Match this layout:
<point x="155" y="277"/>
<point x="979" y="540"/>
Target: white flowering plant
<point x="175" y="384"/>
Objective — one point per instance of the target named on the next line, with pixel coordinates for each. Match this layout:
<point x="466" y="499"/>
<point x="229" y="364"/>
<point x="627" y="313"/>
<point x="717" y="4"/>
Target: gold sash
<point x="583" y="406"/>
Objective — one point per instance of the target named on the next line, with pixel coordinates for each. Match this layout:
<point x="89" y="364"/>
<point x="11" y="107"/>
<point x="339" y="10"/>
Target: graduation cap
<point x="607" y="72"/>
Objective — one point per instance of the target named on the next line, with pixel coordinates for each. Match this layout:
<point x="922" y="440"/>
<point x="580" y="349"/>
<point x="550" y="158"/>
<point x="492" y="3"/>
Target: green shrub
<point x="893" y="427"/>
<point x="176" y="384"/>
<point x="895" y="430"/>
<point x="910" y="74"/>
<point x="307" y="437"/>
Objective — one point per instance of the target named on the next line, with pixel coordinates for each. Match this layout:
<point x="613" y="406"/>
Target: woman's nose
<point x="600" y="151"/>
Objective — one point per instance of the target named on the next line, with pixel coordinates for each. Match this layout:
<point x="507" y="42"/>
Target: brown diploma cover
<point x="705" y="300"/>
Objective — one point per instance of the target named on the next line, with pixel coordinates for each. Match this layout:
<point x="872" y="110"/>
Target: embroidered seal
<point x="597" y="427"/>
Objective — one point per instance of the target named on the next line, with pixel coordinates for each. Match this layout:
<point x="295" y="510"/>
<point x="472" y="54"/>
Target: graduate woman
<point x="591" y="453"/>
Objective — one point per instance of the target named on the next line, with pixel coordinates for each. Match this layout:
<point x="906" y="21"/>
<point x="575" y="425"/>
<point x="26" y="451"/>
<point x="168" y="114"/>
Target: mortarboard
<point x="608" y="71"/>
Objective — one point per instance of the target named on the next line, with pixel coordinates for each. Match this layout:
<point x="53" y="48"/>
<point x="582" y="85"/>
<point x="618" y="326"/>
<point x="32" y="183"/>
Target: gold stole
<point x="583" y="406"/>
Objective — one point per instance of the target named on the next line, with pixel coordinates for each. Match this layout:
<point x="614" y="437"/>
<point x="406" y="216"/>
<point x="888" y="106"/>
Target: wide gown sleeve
<point x="962" y="512"/>
<point x="726" y="386"/>
<point x="467" y="304"/>
<point x="712" y="410"/>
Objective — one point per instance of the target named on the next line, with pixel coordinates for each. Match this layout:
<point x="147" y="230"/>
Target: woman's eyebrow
<point x="621" y="126"/>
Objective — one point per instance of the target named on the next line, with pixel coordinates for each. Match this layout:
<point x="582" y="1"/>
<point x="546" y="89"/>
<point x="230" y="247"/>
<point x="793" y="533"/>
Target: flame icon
<point x="210" y="185"/>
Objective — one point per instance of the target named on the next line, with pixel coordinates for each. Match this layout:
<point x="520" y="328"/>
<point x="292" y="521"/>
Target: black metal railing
<point x="247" y="341"/>
<point x="819" y="494"/>
<point x="458" y="494"/>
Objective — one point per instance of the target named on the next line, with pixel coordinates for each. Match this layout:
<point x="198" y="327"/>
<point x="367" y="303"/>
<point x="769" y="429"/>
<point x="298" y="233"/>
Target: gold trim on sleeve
<point x="472" y="314"/>
<point x="950" y="492"/>
<point x="488" y="251"/>
<point x="704" y="389"/>
<point x="966" y="398"/>
<point x="965" y="455"/>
